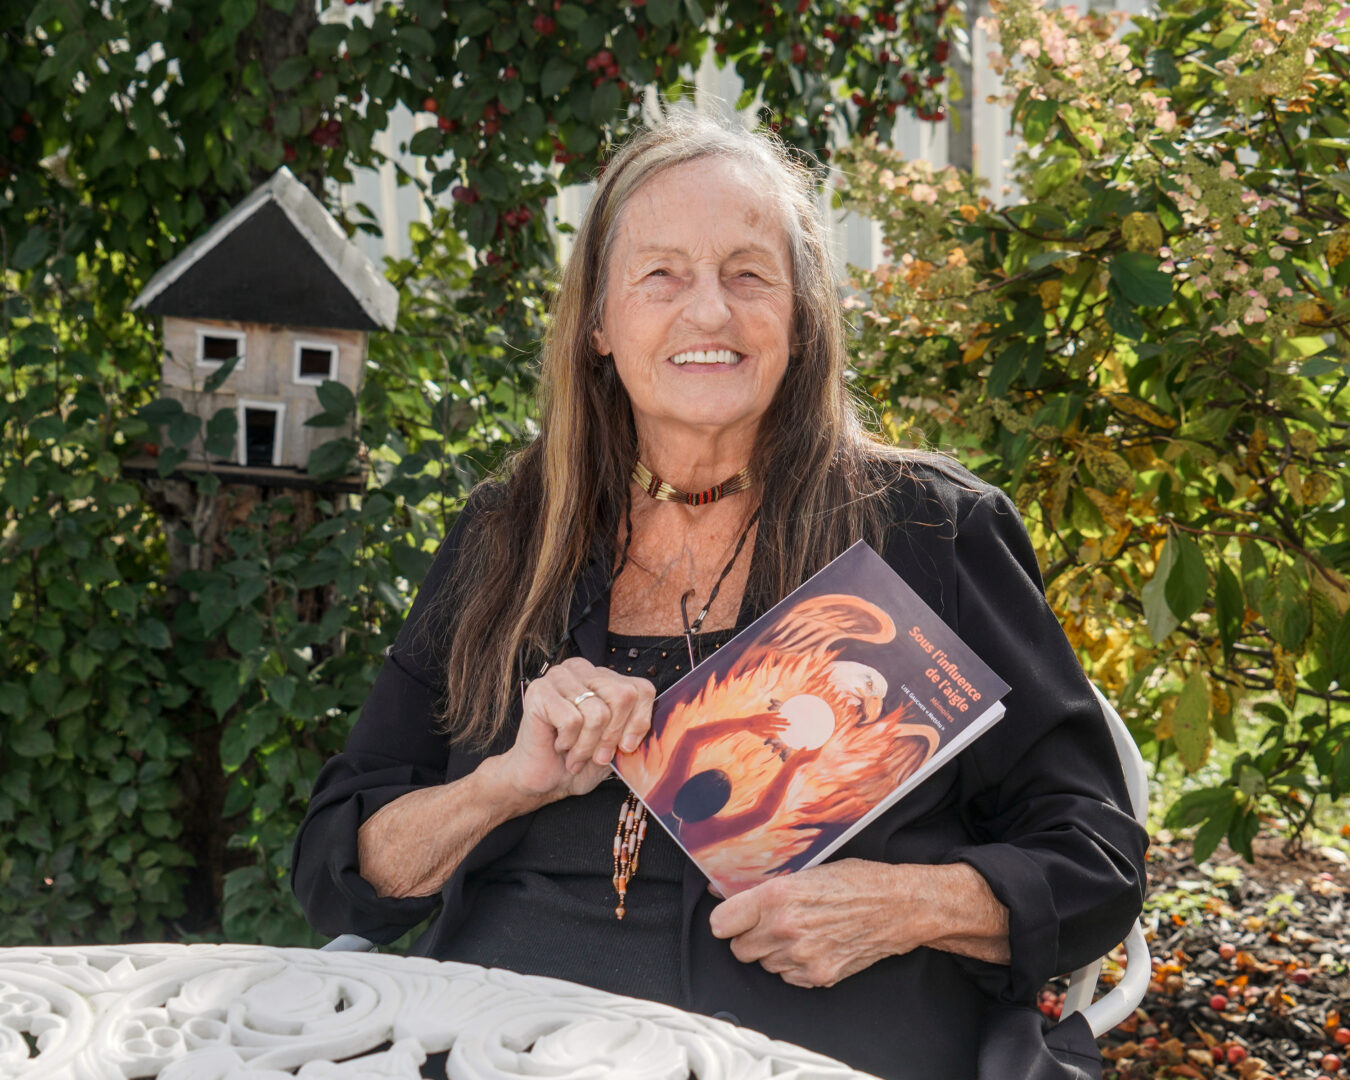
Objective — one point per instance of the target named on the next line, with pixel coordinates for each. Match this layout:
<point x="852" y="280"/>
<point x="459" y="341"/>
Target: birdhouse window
<point x="315" y="361"/>
<point x="214" y="347"/>
<point x="260" y="427"/>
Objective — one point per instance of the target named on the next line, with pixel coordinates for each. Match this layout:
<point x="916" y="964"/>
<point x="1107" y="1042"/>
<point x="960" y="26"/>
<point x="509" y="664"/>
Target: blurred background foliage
<point x="181" y="655"/>
<point x="1147" y="347"/>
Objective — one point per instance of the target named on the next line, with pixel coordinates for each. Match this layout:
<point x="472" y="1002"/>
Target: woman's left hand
<point x="821" y="925"/>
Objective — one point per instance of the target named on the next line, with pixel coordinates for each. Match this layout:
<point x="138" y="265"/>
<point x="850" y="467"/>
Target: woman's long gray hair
<point x="561" y="500"/>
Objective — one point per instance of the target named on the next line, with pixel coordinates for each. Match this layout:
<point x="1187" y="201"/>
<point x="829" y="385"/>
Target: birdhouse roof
<point x="278" y="257"/>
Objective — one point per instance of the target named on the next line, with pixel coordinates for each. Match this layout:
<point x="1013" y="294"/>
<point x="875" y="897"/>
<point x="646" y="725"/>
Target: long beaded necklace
<point x="633" y="814"/>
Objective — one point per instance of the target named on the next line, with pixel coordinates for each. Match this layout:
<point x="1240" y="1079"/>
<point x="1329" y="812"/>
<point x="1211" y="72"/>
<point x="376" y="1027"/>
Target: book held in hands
<point x="796" y="734"/>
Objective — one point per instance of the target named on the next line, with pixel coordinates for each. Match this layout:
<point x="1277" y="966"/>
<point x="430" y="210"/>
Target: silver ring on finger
<point x="576" y="701"/>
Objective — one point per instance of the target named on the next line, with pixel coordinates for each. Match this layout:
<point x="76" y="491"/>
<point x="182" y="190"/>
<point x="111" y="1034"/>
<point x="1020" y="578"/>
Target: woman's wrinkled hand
<point x="576" y="716"/>
<point x="821" y="925"/>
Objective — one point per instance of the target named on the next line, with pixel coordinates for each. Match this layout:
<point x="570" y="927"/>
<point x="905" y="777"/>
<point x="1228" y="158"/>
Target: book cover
<point x="772" y="752"/>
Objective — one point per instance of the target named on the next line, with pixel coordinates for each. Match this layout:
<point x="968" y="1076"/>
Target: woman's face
<point x="698" y="302"/>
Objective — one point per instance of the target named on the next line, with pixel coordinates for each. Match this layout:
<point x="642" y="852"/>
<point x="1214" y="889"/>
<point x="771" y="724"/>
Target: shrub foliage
<point x="1148" y="346"/>
<point x="180" y="655"/>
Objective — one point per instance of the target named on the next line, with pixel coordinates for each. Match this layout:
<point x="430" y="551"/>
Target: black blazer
<point x="1037" y="805"/>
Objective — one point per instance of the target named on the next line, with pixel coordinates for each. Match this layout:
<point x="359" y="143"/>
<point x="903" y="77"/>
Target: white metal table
<point x="221" y="1012"/>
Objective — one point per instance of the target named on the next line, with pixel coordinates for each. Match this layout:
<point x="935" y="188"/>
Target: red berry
<point x="798" y="53"/>
<point x="287" y="152"/>
<point x="25" y="117"/>
<point x="611" y="70"/>
<point x="1342" y="1036"/>
<point x="802" y="5"/>
<point x="463" y="194"/>
<point x="1331" y="1064"/>
<point x="492" y="258"/>
<point x="1218" y="1003"/>
<point x="830" y="35"/>
<point x="858" y="99"/>
<point x="1236" y="1054"/>
<point x="489" y="111"/>
<point x="444" y="123"/>
<point x="523" y="215"/>
<point x="721" y="48"/>
<point x="509" y="73"/>
<point x="1228" y="950"/>
<point x="17" y="134"/>
<point x="543" y="25"/>
<point x="604" y="58"/>
<point x="151" y="448"/>
<point x="429" y="105"/>
<point x="942" y="51"/>
<point x="673" y="49"/>
<point x="1217" y="1053"/>
<point x="1301" y="976"/>
<point x="767" y="56"/>
<point x="355" y="98"/>
<point x="491" y="127"/>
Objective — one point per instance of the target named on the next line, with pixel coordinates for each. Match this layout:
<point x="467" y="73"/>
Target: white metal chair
<point x="1121" y="1000"/>
<point x="1117" y="1003"/>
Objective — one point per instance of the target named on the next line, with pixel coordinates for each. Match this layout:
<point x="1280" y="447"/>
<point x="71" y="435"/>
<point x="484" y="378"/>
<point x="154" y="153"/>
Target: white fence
<point x="985" y="147"/>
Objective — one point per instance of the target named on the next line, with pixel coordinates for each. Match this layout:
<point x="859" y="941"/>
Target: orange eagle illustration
<point x="768" y="762"/>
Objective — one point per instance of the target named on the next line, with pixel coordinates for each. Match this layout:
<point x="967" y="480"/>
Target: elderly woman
<point x="698" y="457"/>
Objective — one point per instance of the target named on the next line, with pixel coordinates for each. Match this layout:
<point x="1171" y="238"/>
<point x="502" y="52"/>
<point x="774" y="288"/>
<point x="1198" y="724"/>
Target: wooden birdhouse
<point x="277" y="284"/>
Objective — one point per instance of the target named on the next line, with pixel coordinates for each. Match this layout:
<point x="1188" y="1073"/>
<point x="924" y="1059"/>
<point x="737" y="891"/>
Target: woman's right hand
<point x="564" y="746"/>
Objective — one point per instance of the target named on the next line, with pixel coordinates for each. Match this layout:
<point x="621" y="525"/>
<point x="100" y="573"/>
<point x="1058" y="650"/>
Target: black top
<point x="546" y="907"/>
<point x="1037" y="805"/>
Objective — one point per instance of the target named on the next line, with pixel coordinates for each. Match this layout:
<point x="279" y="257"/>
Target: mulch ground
<point x="1251" y="969"/>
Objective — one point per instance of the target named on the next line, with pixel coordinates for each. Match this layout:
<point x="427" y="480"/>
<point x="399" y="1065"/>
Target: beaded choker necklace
<point x="658" y="489"/>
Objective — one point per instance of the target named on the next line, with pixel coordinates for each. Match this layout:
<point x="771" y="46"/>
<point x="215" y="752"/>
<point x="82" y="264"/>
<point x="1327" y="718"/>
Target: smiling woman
<point x="698" y="457"/>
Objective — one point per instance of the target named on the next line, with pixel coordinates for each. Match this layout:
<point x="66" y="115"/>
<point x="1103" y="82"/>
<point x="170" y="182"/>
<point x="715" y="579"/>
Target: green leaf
<point x="331" y="459"/>
<point x="1188" y="581"/>
<point x="1229" y="607"/>
<point x="1140" y="281"/>
<point x="1340" y="651"/>
<point x="183" y="428"/>
<point x="1157" y="612"/>
<point x="556" y="77"/>
<point x="13" y="700"/>
<point x="1209" y="834"/>
<point x="33" y="740"/>
<point x="217" y="378"/>
<point x="290" y="73"/>
<point x="244" y="634"/>
<point x="1120" y="315"/>
<point x="154" y="634"/>
<point x="1190" y="722"/>
<point x="31" y="250"/>
<point x="21" y="487"/>
<point x="663" y="12"/>
<point x="427" y="142"/>
<point x="336" y="398"/>
<point x="570" y="16"/>
<point x="160" y="411"/>
<point x="605" y="103"/>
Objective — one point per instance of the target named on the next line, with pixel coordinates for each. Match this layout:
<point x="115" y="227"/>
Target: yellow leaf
<point x="1311" y="313"/>
<point x="1338" y="249"/>
<point x="1220" y="701"/>
<point x="969" y="212"/>
<point x="1110" y="469"/>
<point x="1141" y="410"/>
<point x="1111" y="509"/>
<point x="1294" y="483"/>
<point x="1316" y="487"/>
<point x="1304" y="442"/>
<point x="1049" y="292"/>
<point x="1142" y="232"/>
<point x="1116" y="541"/>
<point x="974" y="350"/>
<point x="1286" y="678"/>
